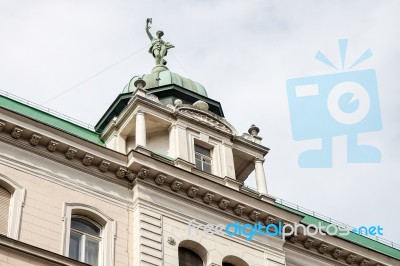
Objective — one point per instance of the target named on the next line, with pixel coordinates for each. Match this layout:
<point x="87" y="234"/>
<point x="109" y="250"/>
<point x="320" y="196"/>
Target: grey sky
<point x="242" y="52"/>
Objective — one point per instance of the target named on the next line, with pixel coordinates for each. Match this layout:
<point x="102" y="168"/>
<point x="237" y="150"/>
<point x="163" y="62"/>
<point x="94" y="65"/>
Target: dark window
<point x="84" y="242"/>
<point x="227" y="264"/>
<point x="203" y="158"/>
<point x="188" y="257"/>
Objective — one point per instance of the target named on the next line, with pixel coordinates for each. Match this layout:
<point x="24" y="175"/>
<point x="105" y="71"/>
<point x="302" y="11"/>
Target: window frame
<point x="202" y="157"/>
<point x="84" y="236"/>
<point x="106" y="224"/>
<point x="17" y="202"/>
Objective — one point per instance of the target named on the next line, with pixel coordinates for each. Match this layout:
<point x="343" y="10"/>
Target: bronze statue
<point x="158" y="48"/>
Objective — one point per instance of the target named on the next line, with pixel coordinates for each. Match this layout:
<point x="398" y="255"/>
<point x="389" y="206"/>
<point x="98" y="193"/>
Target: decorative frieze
<point x="16" y="133"/>
<point x="87" y="160"/>
<point x="208" y="197"/>
<point x="70" y="153"/>
<point x="130" y="175"/>
<point x="308" y="243"/>
<point x="292" y="238"/>
<point x="254" y="215"/>
<point x="350" y="259"/>
<point x="176" y="185"/>
<point x="223" y="203"/>
<point x="152" y="97"/>
<point x="104" y="165"/>
<point x="364" y="262"/>
<point x="121" y="172"/>
<point x="2" y="125"/>
<point x="142" y="174"/>
<point x="238" y="210"/>
<point x="52" y="145"/>
<point x="336" y="253"/>
<point x="34" y="140"/>
<point x="269" y="220"/>
<point x="159" y="179"/>
<point x="192" y="191"/>
<point x="322" y="248"/>
<point x="206" y="119"/>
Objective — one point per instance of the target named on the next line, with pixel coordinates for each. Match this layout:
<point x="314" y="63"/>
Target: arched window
<point x="12" y="199"/>
<point x="89" y="235"/>
<point x="5" y="197"/>
<point x="233" y="261"/>
<point x="188" y="257"/>
<point x="85" y="240"/>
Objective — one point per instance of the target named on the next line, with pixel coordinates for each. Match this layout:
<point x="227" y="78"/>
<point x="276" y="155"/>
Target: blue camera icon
<point x="325" y="106"/>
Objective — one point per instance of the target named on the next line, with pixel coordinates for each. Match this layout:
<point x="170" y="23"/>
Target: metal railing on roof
<point x="337" y="223"/>
<point x="329" y="220"/>
<point x="46" y="110"/>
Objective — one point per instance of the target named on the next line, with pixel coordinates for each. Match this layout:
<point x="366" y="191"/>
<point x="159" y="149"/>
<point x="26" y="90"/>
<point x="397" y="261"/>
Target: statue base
<point x="159" y="68"/>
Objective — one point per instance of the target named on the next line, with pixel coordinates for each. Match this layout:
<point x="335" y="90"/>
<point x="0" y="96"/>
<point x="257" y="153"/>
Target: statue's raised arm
<point x="158" y="47"/>
<point x="148" y="22"/>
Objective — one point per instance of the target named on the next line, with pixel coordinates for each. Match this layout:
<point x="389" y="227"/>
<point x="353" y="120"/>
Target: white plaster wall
<point x="49" y="185"/>
<point x="158" y="142"/>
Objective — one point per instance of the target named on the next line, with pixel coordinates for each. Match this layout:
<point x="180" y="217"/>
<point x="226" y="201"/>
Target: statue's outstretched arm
<point x="148" y="31"/>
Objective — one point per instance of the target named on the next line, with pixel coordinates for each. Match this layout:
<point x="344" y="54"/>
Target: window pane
<point x="74" y="246"/>
<point x="206" y="167"/>
<point x="92" y="251"/>
<point x="198" y="164"/>
<point x="85" y="226"/>
<point x="202" y="150"/>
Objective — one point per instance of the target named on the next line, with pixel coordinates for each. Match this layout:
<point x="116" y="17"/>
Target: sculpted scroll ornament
<point x="351" y="258"/>
<point x="87" y="160"/>
<point x="159" y="179"/>
<point x="254" y="214"/>
<point x="322" y="248"/>
<point x="205" y="119"/>
<point x="34" y="140"/>
<point x="70" y="153"/>
<point x="121" y="171"/>
<point x="192" y="191"/>
<point x="337" y="253"/>
<point x="208" y="197"/>
<point x="223" y="203"/>
<point x="16" y="133"/>
<point x="52" y="146"/>
<point x="143" y="173"/>
<point x="238" y="210"/>
<point x="104" y="166"/>
<point x="308" y="243"/>
<point x="130" y="175"/>
<point x="176" y="185"/>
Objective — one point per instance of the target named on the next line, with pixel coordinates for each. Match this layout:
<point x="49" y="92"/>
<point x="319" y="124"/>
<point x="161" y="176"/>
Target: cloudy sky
<point x="243" y="52"/>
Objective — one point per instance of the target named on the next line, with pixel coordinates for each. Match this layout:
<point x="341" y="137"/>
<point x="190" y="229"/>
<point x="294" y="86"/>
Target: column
<point x="260" y="176"/>
<point x="140" y="129"/>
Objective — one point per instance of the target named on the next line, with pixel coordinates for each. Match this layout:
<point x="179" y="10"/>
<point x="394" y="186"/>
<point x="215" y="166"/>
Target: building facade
<point x="148" y="186"/>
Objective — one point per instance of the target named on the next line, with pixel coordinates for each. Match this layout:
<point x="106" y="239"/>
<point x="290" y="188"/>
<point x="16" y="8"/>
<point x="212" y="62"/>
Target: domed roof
<point x="161" y="76"/>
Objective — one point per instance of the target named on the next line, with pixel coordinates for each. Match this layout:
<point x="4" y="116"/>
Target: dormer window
<point x="203" y="158"/>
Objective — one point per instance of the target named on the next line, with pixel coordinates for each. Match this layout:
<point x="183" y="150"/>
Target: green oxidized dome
<point x="165" y="77"/>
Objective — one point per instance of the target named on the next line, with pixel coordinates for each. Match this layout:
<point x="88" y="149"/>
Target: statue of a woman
<point x="158" y="48"/>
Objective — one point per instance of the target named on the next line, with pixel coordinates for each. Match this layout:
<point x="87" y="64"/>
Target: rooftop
<point x="85" y="131"/>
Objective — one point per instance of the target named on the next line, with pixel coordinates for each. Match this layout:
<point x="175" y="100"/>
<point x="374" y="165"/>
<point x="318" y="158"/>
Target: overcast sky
<point x="242" y="52"/>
